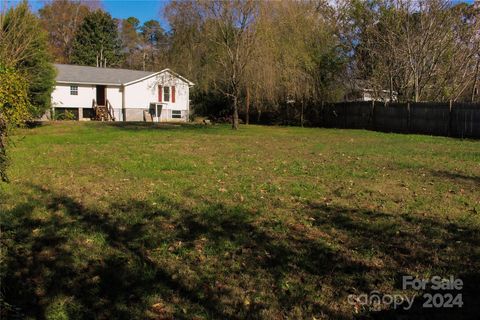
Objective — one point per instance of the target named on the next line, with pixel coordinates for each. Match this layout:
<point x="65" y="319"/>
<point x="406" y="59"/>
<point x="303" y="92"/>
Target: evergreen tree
<point x="130" y="42"/>
<point x="153" y="45"/>
<point x="61" y="19"/>
<point x="96" y="41"/>
<point x="153" y="34"/>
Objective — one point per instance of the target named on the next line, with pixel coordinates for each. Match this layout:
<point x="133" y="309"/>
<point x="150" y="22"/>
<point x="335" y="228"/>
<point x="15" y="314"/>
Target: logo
<point x="442" y="293"/>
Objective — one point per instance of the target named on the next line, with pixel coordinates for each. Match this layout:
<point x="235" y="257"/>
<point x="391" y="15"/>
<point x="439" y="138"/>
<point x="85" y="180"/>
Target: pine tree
<point x="96" y="41"/>
<point x="130" y="41"/>
<point x="61" y="19"/>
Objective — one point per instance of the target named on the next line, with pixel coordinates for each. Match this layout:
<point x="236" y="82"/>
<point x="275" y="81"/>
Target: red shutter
<point x="173" y="94"/>
<point x="160" y="92"/>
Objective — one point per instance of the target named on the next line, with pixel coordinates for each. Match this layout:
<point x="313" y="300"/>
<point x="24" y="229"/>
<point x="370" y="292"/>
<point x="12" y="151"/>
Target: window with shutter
<point x="166" y="94"/>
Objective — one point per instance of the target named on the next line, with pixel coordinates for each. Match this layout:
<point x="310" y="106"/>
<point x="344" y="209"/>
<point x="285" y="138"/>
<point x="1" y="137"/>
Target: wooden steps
<point x="103" y="113"/>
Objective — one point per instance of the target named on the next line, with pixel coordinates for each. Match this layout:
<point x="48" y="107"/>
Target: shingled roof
<point x="83" y="74"/>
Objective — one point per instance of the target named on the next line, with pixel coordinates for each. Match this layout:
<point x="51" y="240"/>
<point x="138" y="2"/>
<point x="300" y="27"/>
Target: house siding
<point x="133" y="101"/>
<point x="114" y="96"/>
<point x="139" y="95"/>
<point x="61" y="97"/>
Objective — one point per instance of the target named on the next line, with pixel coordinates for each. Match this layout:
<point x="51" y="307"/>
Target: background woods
<point x="252" y="58"/>
<point x="421" y="50"/>
<point x="282" y="56"/>
<point x="303" y="53"/>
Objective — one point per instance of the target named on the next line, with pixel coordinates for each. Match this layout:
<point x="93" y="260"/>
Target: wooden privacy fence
<point x="444" y="119"/>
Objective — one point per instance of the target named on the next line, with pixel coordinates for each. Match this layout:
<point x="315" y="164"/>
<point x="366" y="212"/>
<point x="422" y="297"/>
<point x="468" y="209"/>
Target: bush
<point x="62" y="114"/>
<point x="14" y="108"/>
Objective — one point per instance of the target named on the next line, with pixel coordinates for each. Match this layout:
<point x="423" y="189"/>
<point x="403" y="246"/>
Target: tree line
<point x="249" y="56"/>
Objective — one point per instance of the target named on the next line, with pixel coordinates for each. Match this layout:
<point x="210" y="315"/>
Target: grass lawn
<point x="183" y="222"/>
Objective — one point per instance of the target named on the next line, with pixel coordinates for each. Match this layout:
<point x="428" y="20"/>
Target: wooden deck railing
<point x="103" y="113"/>
<point x="110" y="110"/>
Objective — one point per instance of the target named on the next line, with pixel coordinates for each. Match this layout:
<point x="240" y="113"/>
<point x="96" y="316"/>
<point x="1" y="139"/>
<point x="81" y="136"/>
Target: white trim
<point x="89" y="83"/>
<point x="190" y="83"/>
<point x="141" y="79"/>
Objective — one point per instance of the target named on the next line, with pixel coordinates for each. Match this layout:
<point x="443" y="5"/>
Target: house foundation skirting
<point x="134" y="114"/>
<point x="130" y="114"/>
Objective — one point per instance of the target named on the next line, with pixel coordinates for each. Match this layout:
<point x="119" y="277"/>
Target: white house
<point x="360" y="90"/>
<point x="122" y="95"/>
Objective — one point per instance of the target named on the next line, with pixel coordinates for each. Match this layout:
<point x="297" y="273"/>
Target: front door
<point x="155" y="111"/>
<point x="101" y="95"/>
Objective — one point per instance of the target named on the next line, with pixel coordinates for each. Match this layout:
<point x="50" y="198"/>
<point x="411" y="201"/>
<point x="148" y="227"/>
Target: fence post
<point x="450" y="105"/>
<point x="409" y="120"/>
<point x="373" y="117"/>
<point x="322" y="115"/>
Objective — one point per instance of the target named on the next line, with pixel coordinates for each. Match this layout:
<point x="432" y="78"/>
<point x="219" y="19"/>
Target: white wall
<point x="61" y="97"/>
<point x="142" y="93"/>
<point x="114" y="96"/>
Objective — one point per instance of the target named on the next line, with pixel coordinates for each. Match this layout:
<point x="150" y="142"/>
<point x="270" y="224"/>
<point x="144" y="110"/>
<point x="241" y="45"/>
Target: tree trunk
<point x="143" y="60"/>
<point x="475" y="80"/>
<point x="235" y="113"/>
<point x="416" y="88"/>
<point x="247" y="115"/>
<point x="301" y="114"/>
<point x="391" y="88"/>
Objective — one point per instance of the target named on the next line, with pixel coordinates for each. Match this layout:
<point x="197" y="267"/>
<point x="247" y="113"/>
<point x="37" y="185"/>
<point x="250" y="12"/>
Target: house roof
<point x="68" y="73"/>
<point x="83" y="74"/>
<point x="363" y="85"/>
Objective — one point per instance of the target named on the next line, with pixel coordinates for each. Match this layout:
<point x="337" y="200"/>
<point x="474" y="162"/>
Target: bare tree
<point x="232" y="30"/>
<point x="15" y="38"/>
<point x="293" y="56"/>
<point x="61" y="18"/>
<point x="424" y="50"/>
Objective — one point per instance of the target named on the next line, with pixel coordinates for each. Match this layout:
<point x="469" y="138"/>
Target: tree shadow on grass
<point x="107" y="284"/>
<point x="457" y="177"/>
<point x="133" y="261"/>
<point x="411" y="245"/>
<point x="136" y="126"/>
<point x="164" y="260"/>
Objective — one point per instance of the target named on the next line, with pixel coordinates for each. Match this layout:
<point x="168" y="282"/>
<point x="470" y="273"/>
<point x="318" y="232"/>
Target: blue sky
<point x="143" y="10"/>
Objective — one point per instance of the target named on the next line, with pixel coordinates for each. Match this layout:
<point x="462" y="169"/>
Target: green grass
<point x="188" y="222"/>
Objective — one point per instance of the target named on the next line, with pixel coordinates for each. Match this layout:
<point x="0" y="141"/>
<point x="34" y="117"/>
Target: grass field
<point x="183" y="222"/>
